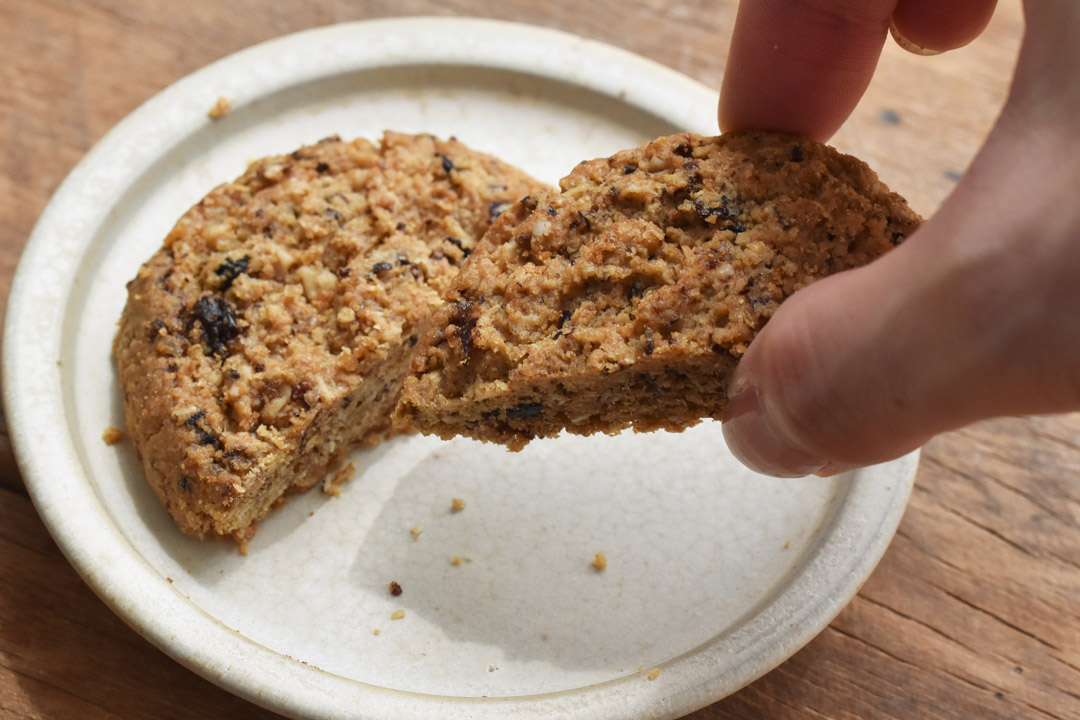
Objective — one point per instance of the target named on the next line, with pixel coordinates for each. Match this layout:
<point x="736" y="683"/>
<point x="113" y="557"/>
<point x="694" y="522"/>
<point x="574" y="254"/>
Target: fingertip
<point x="931" y="27"/>
<point x="800" y="67"/>
<point x="758" y="444"/>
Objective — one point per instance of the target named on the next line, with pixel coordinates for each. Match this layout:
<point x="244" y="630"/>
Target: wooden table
<point x="974" y="611"/>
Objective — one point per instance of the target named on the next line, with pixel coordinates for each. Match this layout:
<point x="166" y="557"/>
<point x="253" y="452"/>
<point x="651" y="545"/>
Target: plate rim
<point x="116" y="571"/>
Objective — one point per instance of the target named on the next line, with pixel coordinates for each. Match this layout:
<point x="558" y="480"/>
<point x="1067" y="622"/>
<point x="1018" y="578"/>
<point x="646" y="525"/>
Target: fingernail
<point x="756" y="442"/>
<point x="832" y="469"/>
<point x="908" y="45"/>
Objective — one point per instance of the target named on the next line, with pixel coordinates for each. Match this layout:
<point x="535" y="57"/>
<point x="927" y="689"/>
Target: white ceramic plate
<point x="715" y="575"/>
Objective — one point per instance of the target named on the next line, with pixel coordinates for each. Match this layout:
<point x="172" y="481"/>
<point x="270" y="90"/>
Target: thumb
<point x="973" y="316"/>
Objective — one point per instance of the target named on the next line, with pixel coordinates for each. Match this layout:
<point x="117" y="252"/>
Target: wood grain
<point x="974" y="611"/>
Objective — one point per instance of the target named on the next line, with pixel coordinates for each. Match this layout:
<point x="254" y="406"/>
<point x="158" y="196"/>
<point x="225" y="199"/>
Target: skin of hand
<point x="977" y="314"/>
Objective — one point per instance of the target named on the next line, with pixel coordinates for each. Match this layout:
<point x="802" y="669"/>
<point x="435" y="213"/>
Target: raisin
<point x="684" y="150"/>
<point x="231" y="269"/>
<point x="233" y="374"/>
<point x="156" y="326"/>
<point x="552" y="211"/>
<point x="185" y="483"/>
<point x="321" y="168"/>
<point x="797" y="154"/>
<point x="299" y="390"/>
<point x="336" y="215"/>
<point x="380" y="267"/>
<point x="343" y="272"/>
<point x="236" y="457"/>
<point x="395" y="589"/>
<point x="203" y="434"/>
<point x="465" y="252"/>
<point x="465" y="322"/>
<point x="447" y="163"/>
<point x="581" y="221"/>
<point x="218" y="320"/>
<point x="525" y="411"/>
<point x="629" y="169"/>
<point x="497" y="208"/>
<point x="564" y="317"/>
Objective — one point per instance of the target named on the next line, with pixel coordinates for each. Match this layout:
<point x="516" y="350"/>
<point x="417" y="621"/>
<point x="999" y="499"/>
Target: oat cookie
<point x="270" y="334"/>
<point x="626" y="299"/>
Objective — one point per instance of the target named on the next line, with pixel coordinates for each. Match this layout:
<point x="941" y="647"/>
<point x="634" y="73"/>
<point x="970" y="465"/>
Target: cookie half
<point x="626" y="299"/>
<point x="270" y="334"/>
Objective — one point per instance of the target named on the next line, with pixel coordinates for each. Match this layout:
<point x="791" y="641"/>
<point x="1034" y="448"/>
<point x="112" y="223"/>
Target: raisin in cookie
<point x="626" y="299"/>
<point x="270" y="334"/>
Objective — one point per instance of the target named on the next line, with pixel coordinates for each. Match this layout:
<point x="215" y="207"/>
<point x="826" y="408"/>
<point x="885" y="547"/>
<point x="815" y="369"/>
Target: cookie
<point x="270" y="334"/>
<point x="626" y="299"/>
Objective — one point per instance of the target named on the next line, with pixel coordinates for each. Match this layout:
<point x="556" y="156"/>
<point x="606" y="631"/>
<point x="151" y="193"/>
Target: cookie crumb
<point x="112" y="435"/>
<point x="170" y="580"/>
<point x="397" y="614"/>
<point x="457" y="505"/>
<point x="395" y="588"/>
<point x="600" y="562"/>
<point x="654" y="673"/>
<point x="376" y="631"/>
<point x="456" y="560"/>
<point x="220" y="109"/>
<point x="415" y="532"/>
<point x="242" y="546"/>
<point x="332" y="485"/>
<point x="787" y="544"/>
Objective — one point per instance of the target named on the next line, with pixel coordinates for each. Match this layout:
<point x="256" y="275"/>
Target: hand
<point x="977" y="314"/>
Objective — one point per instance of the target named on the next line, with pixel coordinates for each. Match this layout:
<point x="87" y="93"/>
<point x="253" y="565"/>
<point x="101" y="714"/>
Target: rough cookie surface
<point x="626" y="299"/>
<point x="270" y="334"/>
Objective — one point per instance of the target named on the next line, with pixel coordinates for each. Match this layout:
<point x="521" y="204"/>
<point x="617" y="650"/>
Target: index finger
<point x="800" y="66"/>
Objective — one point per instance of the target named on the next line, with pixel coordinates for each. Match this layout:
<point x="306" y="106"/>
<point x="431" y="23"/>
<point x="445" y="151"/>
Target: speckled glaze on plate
<point x="714" y="575"/>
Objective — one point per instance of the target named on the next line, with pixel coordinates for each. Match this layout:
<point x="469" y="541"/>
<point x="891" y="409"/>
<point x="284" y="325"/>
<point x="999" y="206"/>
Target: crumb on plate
<point x="457" y="505"/>
<point x="112" y="435"/>
<point x="600" y="562"/>
<point x="220" y="109"/>
<point x="397" y="614"/>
